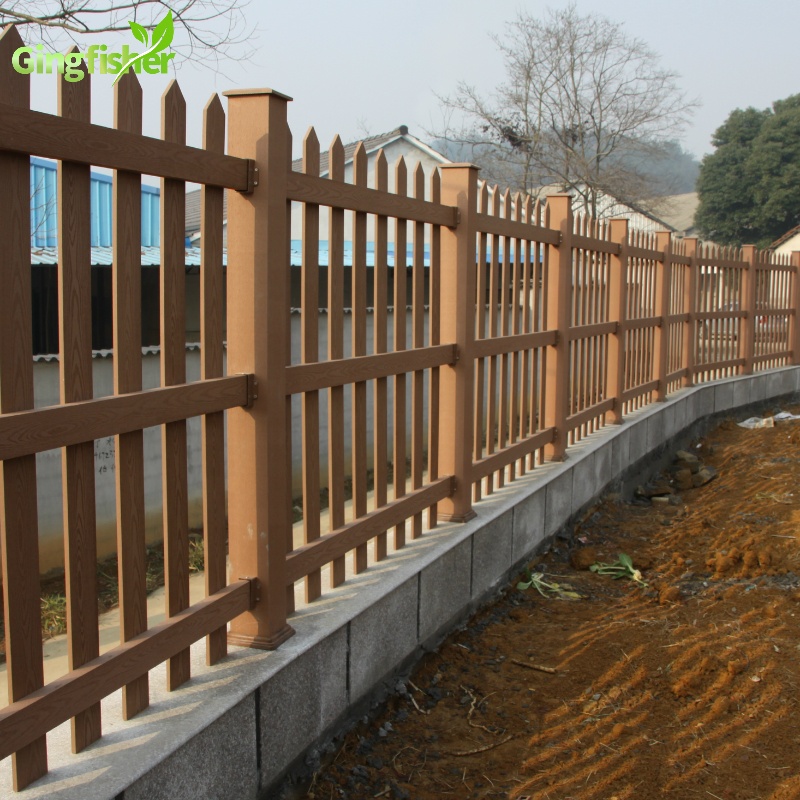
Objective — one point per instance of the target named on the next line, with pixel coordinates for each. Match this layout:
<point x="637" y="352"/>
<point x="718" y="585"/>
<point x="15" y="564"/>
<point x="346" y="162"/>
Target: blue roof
<point x="44" y="198"/>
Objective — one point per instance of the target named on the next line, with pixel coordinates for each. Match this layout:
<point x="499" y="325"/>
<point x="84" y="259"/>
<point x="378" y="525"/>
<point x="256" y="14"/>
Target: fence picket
<point x="211" y="338"/>
<point x="400" y="333"/>
<point x="359" y="348"/>
<point x="309" y="345"/>
<point x="129" y="447"/>
<point x="381" y="403"/>
<point x="336" y="471"/>
<point x="174" y="467"/>
<point x="18" y="512"/>
<point x="75" y="372"/>
<point x="417" y="340"/>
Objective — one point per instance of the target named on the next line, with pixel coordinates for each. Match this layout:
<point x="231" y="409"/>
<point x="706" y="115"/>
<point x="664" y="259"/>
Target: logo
<point x="99" y="59"/>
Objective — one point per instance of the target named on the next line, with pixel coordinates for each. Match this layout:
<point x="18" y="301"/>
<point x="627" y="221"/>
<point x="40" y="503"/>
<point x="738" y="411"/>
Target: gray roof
<point x="193" y="210"/>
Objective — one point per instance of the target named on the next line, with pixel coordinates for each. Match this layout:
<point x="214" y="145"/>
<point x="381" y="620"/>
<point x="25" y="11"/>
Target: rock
<point x="683" y="479"/>
<point x="583" y="557"/>
<point x="687" y="458"/>
<point x="703" y="477"/>
<point x="660" y="501"/>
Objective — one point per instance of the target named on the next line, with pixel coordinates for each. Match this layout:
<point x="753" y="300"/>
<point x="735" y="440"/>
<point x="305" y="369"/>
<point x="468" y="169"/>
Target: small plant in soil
<point x="547" y="588"/>
<point x="621" y="568"/>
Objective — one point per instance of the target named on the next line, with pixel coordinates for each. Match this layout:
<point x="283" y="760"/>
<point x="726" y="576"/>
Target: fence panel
<point x="79" y="419"/>
<point x="774" y="310"/>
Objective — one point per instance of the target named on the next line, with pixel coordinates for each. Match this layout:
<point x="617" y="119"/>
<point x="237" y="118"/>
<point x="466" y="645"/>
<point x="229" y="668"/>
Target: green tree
<point x="749" y="187"/>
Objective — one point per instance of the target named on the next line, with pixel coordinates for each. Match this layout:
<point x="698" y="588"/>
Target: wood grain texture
<point x="129" y="447"/>
<point x="502" y="458"/>
<point x="417" y="341"/>
<point x="457" y="321"/>
<point x="481" y="338"/>
<point x="399" y="446"/>
<point x="174" y="463"/>
<point x="558" y="317"/>
<point x="24" y="721"/>
<point x="212" y="288"/>
<point x="380" y="336"/>
<point x="334" y="544"/>
<point x="259" y="463"/>
<point x="500" y="226"/>
<point x="339" y="372"/>
<point x="309" y="346"/>
<point x="34" y="431"/>
<point x="335" y="193"/>
<point x="75" y="372"/>
<point x="359" y="348"/>
<point x="40" y="134"/>
<point x="336" y="460"/>
<point x="18" y="512"/>
<point x="434" y="337"/>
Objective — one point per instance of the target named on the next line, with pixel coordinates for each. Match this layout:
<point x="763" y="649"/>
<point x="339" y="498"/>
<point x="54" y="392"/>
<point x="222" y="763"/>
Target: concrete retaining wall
<point x="236" y="729"/>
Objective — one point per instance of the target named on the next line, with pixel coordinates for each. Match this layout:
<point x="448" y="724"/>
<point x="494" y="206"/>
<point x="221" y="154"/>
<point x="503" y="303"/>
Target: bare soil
<point x="686" y="688"/>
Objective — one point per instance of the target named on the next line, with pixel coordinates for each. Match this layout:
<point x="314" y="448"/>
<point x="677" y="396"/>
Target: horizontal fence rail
<point x="487" y="332"/>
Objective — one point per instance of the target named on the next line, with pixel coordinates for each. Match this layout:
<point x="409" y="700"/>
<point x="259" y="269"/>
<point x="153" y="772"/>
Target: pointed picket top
<point x="311" y="153"/>
<point x="517" y="205"/>
<point x="336" y="159"/>
<point x="15" y="88"/>
<point x="507" y="204"/>
<point x="214" y="125"/>
<point x="360" y="165"/>
<point x="484" y="198"/>
<point x="419" y="182"/>
<point x="75" y="97"/>
<point x="436" y="186"/>
<point x="530" y="210"/>
<point x="495" y="200"/>
<point x="128" y="103"/>
<point x="173" y="114"/>
<point x="381" y="171"/>
<point x="401" y="177"/>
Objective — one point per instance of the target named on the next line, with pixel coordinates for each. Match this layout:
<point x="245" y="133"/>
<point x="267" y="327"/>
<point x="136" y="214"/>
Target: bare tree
<point x="211" y="30"/>
<point x="583" y="102"/>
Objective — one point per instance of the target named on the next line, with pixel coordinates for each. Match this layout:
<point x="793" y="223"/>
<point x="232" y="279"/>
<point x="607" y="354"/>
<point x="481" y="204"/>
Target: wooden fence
<point x="543" y="327"/>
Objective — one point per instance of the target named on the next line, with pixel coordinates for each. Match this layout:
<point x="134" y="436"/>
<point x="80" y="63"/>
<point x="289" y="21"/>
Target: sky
<point x="360" y="68"/>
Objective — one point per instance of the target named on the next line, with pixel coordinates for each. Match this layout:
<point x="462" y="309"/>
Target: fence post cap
<point x="249" y="92"/>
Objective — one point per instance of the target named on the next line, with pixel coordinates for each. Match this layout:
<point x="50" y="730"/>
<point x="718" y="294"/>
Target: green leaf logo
<point x="162" y="38"/>
<point x="139" y="31"/>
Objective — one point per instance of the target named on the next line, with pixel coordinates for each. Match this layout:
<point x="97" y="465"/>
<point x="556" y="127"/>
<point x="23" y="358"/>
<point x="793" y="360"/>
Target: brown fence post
<point x="689" y="307"/>
<point x="663" y="310"/>
<point x="259" y="464"/>
<point x="19" y="525"/>
<point x="559" y="290"/>
<point x="617" y="304"/>
<point x="747" y="331"/>
<point x="457" y="324"/>
<point x="794" y="320"/>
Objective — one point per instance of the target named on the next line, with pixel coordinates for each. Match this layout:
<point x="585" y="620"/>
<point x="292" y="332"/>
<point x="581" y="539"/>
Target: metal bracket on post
<point x="254" y="590"/>
<point x="252" y="390"/>
<point x="252" y="177"/>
